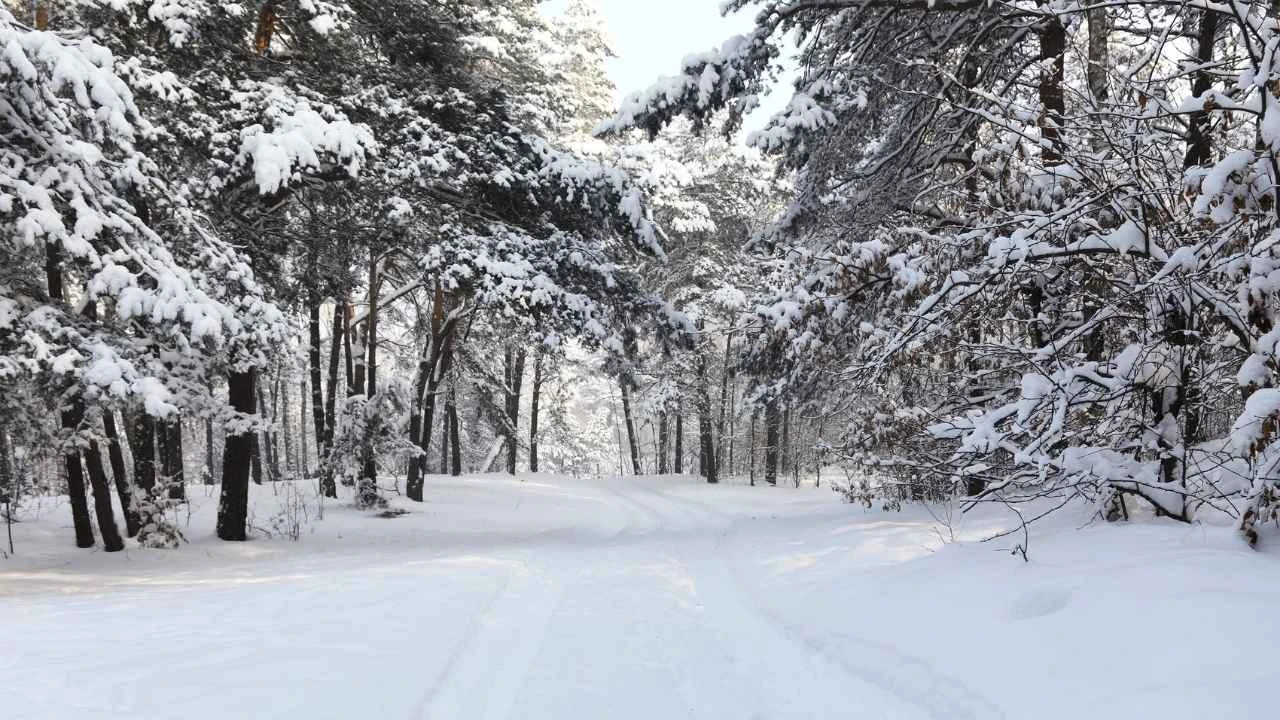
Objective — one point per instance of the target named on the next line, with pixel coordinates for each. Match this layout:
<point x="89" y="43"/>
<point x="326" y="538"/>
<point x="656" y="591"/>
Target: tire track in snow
<point x="912" y="679"/>
<point x="757" y="636"/>
<point x="485" y="671"/>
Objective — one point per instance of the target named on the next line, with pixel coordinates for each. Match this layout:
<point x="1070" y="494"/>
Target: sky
<point x="651" y="37"/>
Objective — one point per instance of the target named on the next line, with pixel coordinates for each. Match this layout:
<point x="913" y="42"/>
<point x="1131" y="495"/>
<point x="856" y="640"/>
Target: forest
<point x="386" y="358"/>
<point x="987" y="251"/>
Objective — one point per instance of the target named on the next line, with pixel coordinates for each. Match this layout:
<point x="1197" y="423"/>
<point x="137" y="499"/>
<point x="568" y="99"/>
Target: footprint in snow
<point x="1039" y="603"/>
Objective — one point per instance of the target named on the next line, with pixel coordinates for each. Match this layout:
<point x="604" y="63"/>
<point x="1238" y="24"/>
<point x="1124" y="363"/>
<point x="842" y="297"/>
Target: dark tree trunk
<point x="784" y="449"/>
<point x="1199" y="140"/>
<point x="706" y="439"/>
<point x="233" y="504"/>
<point x="317" y="376"/>
<point x="677" y="451"/>
<point x="170" y="437"/>
<point x="772" y="430"/>
<point x="419" y="435"/>
<point x="628" y="418"/>
<point x="71" y="419"/>
<point x="367" y="489"/>
<point x="1053" y="45"/>
<point x="111" y="540"/>
<point x="514" y="381"/>
<point x="663" y="443"/>
<point x="455" y="444"/>
<point x="445" y="444"/>
<point x="120" y="474"/>
<point x="255" y="457"/>
<point x="209" y="466"/>
<point x="726" y="382"/>
<point x="534" y="400"/>
<point x="328" y="486"/>
<point x="339" y="330"/>
<point x="142" y="445"/>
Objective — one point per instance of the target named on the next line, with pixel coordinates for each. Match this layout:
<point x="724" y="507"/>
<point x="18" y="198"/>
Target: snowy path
<point x="576" y="599"/>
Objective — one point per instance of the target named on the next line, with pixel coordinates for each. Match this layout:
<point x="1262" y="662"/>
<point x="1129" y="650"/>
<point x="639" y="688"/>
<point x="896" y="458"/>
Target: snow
<point x="554" y="597"/>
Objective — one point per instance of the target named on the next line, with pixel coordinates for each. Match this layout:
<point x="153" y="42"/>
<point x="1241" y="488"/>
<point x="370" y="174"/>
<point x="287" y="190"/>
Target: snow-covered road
<point x="622" y="598"/>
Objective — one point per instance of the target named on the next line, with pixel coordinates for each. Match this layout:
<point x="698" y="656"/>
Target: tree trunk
<point x="313" y="361"/>
<point x="535" y="398"/>
<point x="111" y="540"/>
<point x="1053" y="44"/>
<point x="367" y="489"/>
<point x="124" y="489"/>
<point x="663" y="443"/>
<point x="633" y="445"/>
<point x="209" y="466"/>
<point x="419" y="435"/>
<point x="706" y="441"/>
<point x="451" y="419"/>
<point x="233" y="502"/>
<point x="726" y="381"/>
<point x="142" y="445"/>
<point x="171" y="466"/>
<point x="328" y="486"/>
<point x="1199" y="141"/>
<point x="514" y="380"/>
<point x="677" y="451"/>
<point x="71" y="419"/>
<point x="772" y="428"/>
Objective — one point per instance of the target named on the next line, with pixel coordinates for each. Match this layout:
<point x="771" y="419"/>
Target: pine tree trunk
<point x="706" y="440"/>
<point x="120" y="473"/>
<point x="677" y="451"/>
<point x="367" y="490"/>
<point x="255" y="457"/>
<point x="233" y="503"/>
<point x="514" y="380"/>
<point x="419" y="421"/>
<point x="1053" y="44"/>
<point x="772" y="428"/>
<point x="317" y="377"/>
<point x="534" y="400"/>
<point x="663" y="443"/>
<point x="1199" y="141"/>
<point x="170" y="437"/>
<point x="71" y="419"/>
<point x="111" y="540"/>
<point x="451" y="419"/>
<point x="726" y="381"/>
<point x="209" y="465"/>
<point x="628" y="418"/>
<point x="142" y="445"/>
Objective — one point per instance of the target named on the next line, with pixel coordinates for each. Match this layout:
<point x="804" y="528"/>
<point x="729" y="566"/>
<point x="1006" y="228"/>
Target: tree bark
<point x="534" y="400"/>
<point x="664" y="443"/>
<point x="367" y="489"/>
<point x="677" y="451"/>
<point x="1199" y="140"/>
<point x="706" y="440"/>
<point x="233" y="502"/>
<point x="119" y="472"/>
<point x="772" y="428"/>
<point x="1053" y="44"/>
<point x="628" y="418"/>
<point x="71" y="419"/>
<point x="111" y="540"/>
<point x="451" y="419"/>
<point x="726" y="381"/>
<point x="171" y="466"/>
<point x="209" y="466"/>
<point x="514" y="380"/>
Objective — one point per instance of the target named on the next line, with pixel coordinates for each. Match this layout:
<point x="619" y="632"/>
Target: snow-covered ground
<point x="648" y="598"/>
